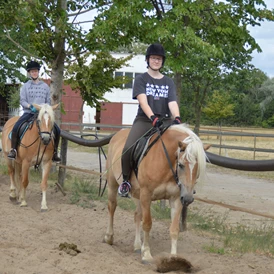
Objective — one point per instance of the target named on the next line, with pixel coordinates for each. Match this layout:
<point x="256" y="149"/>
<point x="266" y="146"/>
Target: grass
<point x="225" y="239"/>
<point x="239" y="238"/>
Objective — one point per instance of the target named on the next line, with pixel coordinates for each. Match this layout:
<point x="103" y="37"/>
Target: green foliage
<point x="13" y="94"/>
<point x="240" y="238"/>
<point x="219" y="106"/>
<point x="213" y="248"/>
<point x="93" y="80"/>
<point x="83" y="193"/>
<point x="205" y="41"/>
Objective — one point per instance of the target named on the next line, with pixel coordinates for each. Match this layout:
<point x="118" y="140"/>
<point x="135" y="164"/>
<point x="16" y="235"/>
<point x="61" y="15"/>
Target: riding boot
<point x="55" y="157"/>
<point x="13" y="153"/>
<point x="125" y="187"/>
<point x="56" y="130"/>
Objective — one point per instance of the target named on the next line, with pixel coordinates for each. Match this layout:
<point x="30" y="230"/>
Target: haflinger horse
<point x="170" y="170"/>
<point x="34" y="149"/>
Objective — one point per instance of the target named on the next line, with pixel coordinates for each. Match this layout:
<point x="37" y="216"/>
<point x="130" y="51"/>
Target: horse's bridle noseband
<point x="41" y="139"/>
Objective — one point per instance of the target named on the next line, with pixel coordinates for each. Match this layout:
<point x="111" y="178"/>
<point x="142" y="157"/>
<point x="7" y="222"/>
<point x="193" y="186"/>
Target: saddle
<point x="23" y="127"/>
<point x="142" y="147"/>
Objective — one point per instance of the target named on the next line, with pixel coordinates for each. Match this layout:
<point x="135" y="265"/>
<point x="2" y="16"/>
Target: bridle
<point x="41" y="134"/>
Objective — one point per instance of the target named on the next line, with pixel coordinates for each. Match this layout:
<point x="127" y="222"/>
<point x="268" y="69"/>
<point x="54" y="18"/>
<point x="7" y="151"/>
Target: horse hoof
<point x="23" y="205"/>
<point x="108" y="240"/>
<point x="43" y="210"/>
<point x="137" y="251"/>
<point x="145" y="262"/>
<point x="13" y="199"/>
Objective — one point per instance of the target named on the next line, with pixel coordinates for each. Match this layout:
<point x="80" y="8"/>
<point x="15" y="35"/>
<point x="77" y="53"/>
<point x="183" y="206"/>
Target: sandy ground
<point x="29" y="239"/>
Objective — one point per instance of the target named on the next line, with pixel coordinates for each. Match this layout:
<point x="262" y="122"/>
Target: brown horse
<point x="35" y="148"/>
<point x="161" y="175"/>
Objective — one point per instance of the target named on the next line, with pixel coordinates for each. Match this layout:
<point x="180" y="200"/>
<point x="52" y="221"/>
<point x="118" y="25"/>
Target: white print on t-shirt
<point x="157" y="91"/>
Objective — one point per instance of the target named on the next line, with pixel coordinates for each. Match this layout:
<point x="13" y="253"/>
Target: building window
<point x="119" y="74"/>
<point x="129" y="76"/>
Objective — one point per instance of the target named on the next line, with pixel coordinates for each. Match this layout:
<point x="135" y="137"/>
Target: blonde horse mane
<point x="47" y="109"/>
<point x="194" y="150"/>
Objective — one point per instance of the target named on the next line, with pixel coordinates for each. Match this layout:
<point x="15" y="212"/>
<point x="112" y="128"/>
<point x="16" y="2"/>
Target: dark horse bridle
<point x="43" y="140"/>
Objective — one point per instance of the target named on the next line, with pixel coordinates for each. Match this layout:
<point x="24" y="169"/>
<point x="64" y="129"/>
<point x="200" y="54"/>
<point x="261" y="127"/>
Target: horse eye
<point x="181" y="166"/>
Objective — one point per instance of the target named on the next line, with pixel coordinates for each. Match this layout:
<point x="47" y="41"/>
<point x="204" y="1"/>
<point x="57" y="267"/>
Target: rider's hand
<point x="177" y="121"/>
<point x="33" y="109"/>
<point x="156" y="122"/>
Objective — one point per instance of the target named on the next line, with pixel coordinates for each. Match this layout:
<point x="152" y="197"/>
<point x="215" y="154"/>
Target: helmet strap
<point x="34" y="79"/>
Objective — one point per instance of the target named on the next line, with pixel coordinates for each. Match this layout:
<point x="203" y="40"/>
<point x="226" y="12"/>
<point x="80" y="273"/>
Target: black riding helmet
<point x="156" y="49"/>
<point x="33" y="65"/>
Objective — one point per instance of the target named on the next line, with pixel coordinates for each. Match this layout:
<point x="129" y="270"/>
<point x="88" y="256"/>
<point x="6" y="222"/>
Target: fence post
<point x="62" y="171"/>
<point x="254" y="156"/>
<point x="220" y="148"/>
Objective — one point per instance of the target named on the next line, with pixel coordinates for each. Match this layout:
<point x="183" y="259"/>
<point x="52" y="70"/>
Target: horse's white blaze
<point x="46" y="118"/>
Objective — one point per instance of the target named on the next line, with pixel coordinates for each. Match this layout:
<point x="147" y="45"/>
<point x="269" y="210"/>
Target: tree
<point x="93" y="80"/>
<point x="50" y="36"/>
<point x="219" y="107"/>
<point x="204" y="39"/>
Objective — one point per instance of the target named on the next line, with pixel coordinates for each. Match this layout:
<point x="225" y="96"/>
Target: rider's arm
<point x="142" y="99"/>
<point x="174" y="109"/>
<point x="23" y="97"/>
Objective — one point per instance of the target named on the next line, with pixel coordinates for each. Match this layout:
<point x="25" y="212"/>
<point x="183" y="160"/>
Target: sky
<point x="264" y="36"/>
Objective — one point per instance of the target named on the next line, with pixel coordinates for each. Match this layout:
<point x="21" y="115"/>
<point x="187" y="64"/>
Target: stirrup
<point x="124" y="189"/>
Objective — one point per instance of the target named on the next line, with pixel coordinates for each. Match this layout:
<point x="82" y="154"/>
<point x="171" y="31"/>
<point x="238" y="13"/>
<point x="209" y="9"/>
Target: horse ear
<point x="207" y="146"/>
<point x="38" y="107"/>
<point x="55" y="106"/>
<point x="182" y="146"/>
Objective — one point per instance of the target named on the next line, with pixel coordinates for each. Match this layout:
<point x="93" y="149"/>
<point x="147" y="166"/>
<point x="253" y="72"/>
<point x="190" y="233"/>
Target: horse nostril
<point x="186" y="200"/>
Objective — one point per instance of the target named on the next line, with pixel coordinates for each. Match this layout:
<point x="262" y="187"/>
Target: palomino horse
<point x="35" y="148"/>
<point x="169" y="171"/>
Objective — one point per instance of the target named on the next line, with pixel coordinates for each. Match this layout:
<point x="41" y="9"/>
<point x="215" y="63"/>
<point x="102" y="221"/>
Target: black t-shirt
<point x="159" y="93"/>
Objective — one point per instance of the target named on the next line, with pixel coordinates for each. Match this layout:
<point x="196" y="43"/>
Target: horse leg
<point x="137" y="220"/>
<point x="24" y="183"/>
<point x="145" y="201"/>
<point x="11" y="172"/>
<point x="176" y="209"/>
<point x="112" y="204"/>
<point x="44" y="185"/>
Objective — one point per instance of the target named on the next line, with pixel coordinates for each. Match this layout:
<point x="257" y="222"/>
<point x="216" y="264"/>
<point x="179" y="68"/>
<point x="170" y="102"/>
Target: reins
<point x="175" y="173"/>
<point x="38" y="158"/>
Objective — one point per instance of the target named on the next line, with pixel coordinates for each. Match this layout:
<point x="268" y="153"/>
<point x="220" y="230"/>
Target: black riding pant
<point x="141" y="125"/>
<point x="26" y="117"/>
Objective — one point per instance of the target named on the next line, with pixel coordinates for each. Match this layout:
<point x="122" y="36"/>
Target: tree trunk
<point x="58" y="61"/>
<point x="197" y="113"/>
<point x="80" y="118"/>
<point x="178" y="83"/>
<point x="56" y="89"/>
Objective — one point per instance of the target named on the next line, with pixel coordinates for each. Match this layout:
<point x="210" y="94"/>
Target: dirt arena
<point x="30" y="240"/>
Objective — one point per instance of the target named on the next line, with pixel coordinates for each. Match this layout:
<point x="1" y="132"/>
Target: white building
<point x="125" y="108"/>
